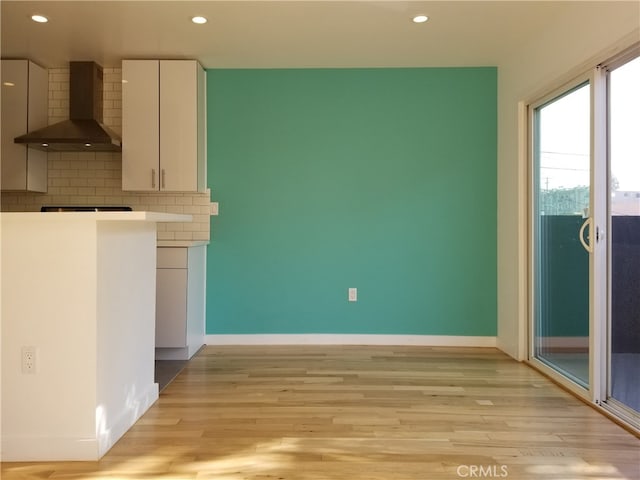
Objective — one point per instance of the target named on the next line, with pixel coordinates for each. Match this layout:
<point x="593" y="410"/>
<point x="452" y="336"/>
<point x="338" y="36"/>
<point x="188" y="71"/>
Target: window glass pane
<point x="562" y="184"/>
<point x="624" y="142"/>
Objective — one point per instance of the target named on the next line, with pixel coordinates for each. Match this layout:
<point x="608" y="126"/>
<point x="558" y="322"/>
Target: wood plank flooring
<point x="360" y="413"/>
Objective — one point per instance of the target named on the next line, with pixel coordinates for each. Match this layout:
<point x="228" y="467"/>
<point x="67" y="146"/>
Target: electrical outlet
<point x="29" y="358"/>
<point x="353" y="294"/>
<point x="213" y="208"/>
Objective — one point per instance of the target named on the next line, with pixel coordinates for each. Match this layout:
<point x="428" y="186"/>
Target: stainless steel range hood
<point x="84" y="130"/>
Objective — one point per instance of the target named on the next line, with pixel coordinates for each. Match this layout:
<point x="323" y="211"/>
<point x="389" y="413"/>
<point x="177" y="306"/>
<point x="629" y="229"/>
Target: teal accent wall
<point x="380" y="179"/>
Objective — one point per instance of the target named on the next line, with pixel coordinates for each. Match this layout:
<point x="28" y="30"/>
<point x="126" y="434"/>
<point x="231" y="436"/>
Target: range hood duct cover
<point x="84" y="130"/>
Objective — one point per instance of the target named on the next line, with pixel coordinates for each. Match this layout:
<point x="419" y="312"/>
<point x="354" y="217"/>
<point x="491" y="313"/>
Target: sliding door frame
<point x="603" y="394"/>
<point x="599" y="389"/>
<point x="589" y="78"/>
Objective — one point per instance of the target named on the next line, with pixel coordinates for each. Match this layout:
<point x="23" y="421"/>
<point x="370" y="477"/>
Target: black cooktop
<point x="85" y="208"/>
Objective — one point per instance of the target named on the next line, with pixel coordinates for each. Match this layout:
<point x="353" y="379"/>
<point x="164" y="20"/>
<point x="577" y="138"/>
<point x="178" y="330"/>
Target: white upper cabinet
<point x="24" y="108"/>
<point x="163" y="126"/>
<point x="140" y="125"/>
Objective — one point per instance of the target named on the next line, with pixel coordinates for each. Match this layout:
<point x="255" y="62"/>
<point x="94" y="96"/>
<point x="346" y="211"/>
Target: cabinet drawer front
<point x="172" y="257"/>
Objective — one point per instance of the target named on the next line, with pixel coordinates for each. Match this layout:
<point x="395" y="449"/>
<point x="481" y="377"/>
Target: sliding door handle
<point x="587" y="246"/>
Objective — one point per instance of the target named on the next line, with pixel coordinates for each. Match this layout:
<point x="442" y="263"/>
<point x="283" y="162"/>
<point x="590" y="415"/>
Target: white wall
<point x="587" y="34"/>
<point x="125" y="336"/>
<point x="65" y="379"/>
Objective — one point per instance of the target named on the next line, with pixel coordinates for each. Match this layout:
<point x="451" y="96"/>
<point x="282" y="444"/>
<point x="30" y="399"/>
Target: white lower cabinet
<point x="180" y="302"/>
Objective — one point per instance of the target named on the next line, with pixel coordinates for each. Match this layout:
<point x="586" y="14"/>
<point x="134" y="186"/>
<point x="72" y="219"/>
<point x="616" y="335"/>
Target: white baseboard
<point x="29" y="448"/>
<point x="351" y="339"/>
<point x="39" y="449"/>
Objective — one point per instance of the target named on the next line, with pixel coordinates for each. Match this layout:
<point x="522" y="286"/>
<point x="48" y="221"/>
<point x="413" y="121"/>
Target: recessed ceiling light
<point x="45" y="145"/>
<point x="420" y="18"/>
<point x="87" y="145"/>
<point x="199" y="20"/>
<point x="39" y="18"/>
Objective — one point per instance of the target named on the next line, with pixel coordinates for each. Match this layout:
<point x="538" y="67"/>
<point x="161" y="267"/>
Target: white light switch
<point x="353" y="294"/>
<point x="213" y="208"/>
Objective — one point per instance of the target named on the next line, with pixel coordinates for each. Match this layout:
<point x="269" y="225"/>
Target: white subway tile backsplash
<point x="192" y="209"/>
<point x="59" y="95"/>
<point x="166" y="235"/>
<point x="111" y="112"/>
<point x="202" y="200"/>
<point x="85" y="178"/>
<point x="184" y="235"/>
<point x="175" y="209"/>
<point x="191" y="227"/>
<point x="112" y="95"/>
<point x="61" y="78"/>
<point x="70" y="156"/>
<point x="202" y="236"/>
<point x="95" y="182"/>
<point x="59" y="182"/>
<point x="78" y="182"/>
<point x="59" y="113"/>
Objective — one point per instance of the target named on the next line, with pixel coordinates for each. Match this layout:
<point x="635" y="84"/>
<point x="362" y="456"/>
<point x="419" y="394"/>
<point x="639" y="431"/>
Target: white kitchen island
<point x="79" y="289"/>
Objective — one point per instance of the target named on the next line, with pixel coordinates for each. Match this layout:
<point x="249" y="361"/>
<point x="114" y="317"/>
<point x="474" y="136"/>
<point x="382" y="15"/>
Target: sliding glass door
<point x="623" y="386"/>
<point x="562" y="187"/>
<point x="585" y="235"/>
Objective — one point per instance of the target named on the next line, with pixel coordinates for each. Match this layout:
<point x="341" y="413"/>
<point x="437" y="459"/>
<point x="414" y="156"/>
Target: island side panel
<point x="126" y="326"/>
<point x="49" y="302"/>
<point x="196" y="294"/>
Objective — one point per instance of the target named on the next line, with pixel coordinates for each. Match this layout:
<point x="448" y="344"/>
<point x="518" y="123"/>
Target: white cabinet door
<point x="163" y="126"/>
<point x="24" y="108"/>
<point x="180" y="302"/>
<point x="171" y="308"/>
<point x="202" y="128"/>
<point x="178" y="125"/>
<point x="140" y="125"/>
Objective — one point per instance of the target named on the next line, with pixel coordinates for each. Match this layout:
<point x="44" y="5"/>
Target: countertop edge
<point x="135" y="216"/>
<point x="181" y="243"/>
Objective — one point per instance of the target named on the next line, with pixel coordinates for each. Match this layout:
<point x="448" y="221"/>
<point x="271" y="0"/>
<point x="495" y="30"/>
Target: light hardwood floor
<point x="360" y="413"/>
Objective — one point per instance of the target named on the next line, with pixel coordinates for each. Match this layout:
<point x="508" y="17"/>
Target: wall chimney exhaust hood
<point x="84" y="130"/>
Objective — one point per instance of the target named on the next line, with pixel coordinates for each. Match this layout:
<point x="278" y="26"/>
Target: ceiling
<point x="277" y="34"/>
